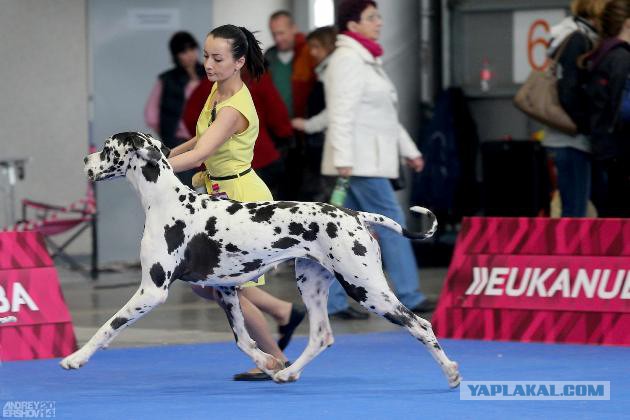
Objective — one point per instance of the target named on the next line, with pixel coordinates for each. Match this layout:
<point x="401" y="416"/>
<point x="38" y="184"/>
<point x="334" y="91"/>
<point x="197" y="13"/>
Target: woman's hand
<point x="345" y="172"/>
<point x="417" y="164"/>
<point x="298" y="123"/>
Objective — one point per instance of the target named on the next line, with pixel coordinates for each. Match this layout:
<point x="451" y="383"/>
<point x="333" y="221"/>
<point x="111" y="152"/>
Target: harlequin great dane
<point x="223" y="243"/>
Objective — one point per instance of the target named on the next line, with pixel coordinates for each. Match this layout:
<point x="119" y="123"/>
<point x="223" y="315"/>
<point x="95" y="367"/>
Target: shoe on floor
<point x="427" y="305"/>
<point x="298" y="312"/>
<point x="256" y="375"/>
<point x="349" y="314"/>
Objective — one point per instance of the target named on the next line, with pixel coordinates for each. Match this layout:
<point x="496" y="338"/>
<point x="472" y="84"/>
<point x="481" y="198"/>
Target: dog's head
<point x="120" y="151"/>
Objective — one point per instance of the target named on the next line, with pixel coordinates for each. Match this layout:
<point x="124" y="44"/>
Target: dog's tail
<point x="377" y="219"/>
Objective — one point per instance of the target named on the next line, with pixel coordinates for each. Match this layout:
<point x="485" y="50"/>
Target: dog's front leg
<point x="228" y="299"/>
<point x="145" y="299"/>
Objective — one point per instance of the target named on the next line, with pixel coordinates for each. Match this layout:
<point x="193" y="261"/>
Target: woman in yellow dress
<point x="226" y="131"/>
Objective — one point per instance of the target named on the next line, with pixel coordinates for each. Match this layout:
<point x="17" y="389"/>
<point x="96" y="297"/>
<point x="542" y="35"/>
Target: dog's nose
<point x="85" y="159"/>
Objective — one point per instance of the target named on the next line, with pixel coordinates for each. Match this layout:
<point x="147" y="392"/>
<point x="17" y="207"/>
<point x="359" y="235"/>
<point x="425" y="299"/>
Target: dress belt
<point x="225" y="178"/>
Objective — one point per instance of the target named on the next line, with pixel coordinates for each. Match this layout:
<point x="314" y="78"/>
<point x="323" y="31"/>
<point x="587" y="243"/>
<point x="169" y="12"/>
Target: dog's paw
<point x="454" y="378"/>
<point x="75" y="360"/>
<point x="285" y="376"/>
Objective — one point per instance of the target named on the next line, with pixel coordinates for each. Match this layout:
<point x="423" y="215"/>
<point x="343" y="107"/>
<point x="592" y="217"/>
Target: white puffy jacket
<point x="361" y="103"/>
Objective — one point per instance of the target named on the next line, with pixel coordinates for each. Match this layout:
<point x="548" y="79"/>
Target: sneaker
<point x="349" y="314"/>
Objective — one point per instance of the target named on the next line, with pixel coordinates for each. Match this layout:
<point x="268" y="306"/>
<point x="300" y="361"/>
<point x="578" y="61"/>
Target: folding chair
<point x="52" y="220"/>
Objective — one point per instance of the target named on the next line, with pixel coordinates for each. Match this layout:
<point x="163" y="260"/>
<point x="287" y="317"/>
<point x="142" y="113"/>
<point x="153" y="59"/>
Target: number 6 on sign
<point x="531" y="34"/>
<point x="537" y="45"/>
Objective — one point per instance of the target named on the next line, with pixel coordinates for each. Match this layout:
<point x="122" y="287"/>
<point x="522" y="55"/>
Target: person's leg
<point x="279" y="309"/>
<point x="259" y="329"/>
<point x="574" y="180"/>
<point x="377" y="196"/>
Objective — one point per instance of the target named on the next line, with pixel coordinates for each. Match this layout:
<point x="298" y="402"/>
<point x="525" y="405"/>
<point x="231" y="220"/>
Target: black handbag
<point x="399" y="183"/>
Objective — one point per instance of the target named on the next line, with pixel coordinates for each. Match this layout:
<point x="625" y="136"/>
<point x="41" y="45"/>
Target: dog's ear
<point x="164" y="149"/>
<point x="145" y="149"/>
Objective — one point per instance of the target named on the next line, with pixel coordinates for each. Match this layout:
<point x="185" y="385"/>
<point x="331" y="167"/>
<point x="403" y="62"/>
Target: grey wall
<point x="483" y="29"/>
<point x="125" y="62"/>
<point x="43" y="99"/>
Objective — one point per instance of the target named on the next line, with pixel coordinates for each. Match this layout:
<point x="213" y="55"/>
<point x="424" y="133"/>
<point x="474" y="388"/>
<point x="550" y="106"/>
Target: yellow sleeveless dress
<point x="235" y="155"/>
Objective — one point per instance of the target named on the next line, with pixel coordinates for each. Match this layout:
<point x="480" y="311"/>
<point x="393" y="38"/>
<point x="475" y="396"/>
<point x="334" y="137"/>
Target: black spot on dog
<point x="357" y="293"/>
<point x="118" y="322"/>
<point x="298" y="229"/>
<point x="286" y="204"/>
<point x="176" y="189"/>
<point x="403" y="317"/>
<point x="331" y="230"/>
<point x="174" y="235"/>
<point x="157" y="274"/>
<point x="192" y="197"/>
<point x="358" y="249"/>
<point x="234" y="207"/>
<point x="190" y="208"/>
<point x="231" y="248"/>
<point x="277" y="229"/>
<point x="263" y="214"/>
<point x="201" y="257"/>
<point x="284" y="243"/>
<point x="211" y="226"/>
<point x="252" y="266"/>
<point x="182" y="198"/>
<point x="151" y="172"/>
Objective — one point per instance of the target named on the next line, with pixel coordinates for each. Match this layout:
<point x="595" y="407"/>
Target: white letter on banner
<point x="538" y="282"/>
<point x="601" y="290"/>
<point x="4" y="302"/>
<point x="480" y="278"/>
<point x="509" y="288"/>
<point x="582" y="281"/>
<point x="496" y="279"/>
<point x="562" y="283"/>
<point x="625" y="293"/>
<point x="21" y="297"/>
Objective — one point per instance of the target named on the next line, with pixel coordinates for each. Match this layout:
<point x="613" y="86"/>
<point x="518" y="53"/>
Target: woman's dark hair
<point x="613" y="17"/>
<point x="350" y="10"/>
<point x="244" y="43"/>
<point x="326" y="35"/>
<point x="180" y="42"/>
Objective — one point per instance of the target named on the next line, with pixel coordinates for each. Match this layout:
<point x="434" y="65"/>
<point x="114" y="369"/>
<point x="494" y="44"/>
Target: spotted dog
<point x="223" y="243"/>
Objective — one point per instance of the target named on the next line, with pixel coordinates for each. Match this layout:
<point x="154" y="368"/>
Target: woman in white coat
<point x="365" y="142"/>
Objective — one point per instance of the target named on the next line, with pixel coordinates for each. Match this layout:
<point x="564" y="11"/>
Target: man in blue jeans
<point x="376" y="195"/>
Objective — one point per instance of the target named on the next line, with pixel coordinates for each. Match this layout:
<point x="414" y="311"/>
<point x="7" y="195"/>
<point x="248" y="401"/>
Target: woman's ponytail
<point x="254" y="59"/>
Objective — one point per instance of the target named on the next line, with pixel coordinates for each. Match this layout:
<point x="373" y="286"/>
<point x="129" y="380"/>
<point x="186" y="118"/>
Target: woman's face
<point x="188" y="58"/>
<point x="370" y="24"/>
<point x="218" y="60"/>
<point x="317" y="50"/>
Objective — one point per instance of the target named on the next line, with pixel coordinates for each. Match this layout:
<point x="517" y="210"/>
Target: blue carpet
<point x="380" y="376"/>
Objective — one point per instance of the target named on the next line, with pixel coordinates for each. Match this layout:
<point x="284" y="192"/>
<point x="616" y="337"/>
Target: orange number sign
<point x="540" y="41"/>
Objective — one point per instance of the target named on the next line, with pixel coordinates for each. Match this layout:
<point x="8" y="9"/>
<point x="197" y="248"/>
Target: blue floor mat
<point x="364" y="376"/>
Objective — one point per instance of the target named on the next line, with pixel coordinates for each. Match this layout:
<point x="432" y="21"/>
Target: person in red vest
<point x="274" y="123"/>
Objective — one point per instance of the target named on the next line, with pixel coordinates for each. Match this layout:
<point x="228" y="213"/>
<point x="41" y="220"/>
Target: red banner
<point x="30" y="292"/>
<point x="538" y="279"/>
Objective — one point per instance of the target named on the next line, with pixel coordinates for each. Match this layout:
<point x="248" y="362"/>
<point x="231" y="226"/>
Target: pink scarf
<point x="372" y="46"/>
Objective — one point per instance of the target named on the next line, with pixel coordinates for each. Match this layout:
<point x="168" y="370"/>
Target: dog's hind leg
<point x="313" y="281"/>
<point x="228" y="299"/>
<point x="376" y="296"/>
<point x="144" y="300"/>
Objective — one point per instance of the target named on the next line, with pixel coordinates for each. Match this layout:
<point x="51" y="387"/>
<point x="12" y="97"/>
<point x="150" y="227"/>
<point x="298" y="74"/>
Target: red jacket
<point x="272" y="115"/>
